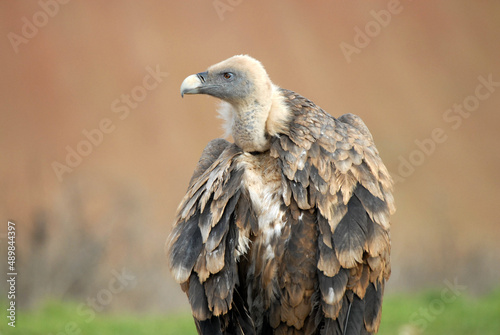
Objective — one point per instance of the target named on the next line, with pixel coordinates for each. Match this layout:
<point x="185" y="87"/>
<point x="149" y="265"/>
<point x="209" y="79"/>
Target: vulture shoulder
<point x="202" y="247"/>
<point x="331" y="166"/>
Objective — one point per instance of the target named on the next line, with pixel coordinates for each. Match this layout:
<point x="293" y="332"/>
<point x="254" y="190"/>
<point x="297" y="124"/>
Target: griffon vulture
<point x="286" y="230"/>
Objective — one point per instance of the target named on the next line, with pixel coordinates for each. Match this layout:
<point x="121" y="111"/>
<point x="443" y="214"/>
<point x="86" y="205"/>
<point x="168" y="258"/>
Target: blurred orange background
<point x="97" y="151"/>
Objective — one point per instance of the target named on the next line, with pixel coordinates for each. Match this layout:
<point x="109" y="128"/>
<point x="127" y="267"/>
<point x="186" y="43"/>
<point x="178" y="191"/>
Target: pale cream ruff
<point x="263" y="182"/>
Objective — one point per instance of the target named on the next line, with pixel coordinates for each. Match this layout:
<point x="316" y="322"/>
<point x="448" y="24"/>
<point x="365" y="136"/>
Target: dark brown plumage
<point x="286" y="231"/>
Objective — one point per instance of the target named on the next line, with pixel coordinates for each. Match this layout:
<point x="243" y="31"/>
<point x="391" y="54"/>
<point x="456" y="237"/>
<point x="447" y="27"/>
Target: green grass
<point x="438" y="312"/>
<point x="430" y="312"/>
<point x="63" y="318"/>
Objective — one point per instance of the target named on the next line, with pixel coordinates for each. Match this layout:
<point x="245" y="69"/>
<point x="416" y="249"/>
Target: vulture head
<point x="252" y="106"/>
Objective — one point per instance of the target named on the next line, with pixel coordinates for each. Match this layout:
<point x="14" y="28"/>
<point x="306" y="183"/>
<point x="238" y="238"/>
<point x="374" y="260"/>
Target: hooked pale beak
<point x="192" y="84"/>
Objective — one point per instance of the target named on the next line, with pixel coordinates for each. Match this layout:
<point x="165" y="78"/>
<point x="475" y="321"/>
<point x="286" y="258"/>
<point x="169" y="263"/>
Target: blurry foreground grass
<point x="432" y="312"/>
<point x="441" y="312"/>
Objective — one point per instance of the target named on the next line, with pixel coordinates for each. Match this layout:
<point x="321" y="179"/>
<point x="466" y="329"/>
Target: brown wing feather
<point x="333" y="166"/>
<point x="202" y="248"/>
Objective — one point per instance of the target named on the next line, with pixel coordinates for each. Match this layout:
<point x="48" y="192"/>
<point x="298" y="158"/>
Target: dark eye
<point x="228" y="75"/>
